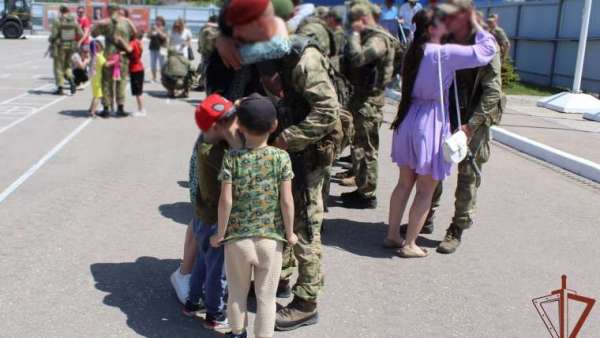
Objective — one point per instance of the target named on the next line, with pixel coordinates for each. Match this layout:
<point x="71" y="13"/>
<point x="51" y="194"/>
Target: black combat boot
<point x="296" y="314"/>
<point x="452" y="240"/>
<point x="58" y="91"/>
<point x="284" y="290"/>
<point x="104" y="113"/>
<point x="121" y="111"/>
<point x="72" y="87"/>
<point x="426" y="230"/>
<point x="356" y="200"/>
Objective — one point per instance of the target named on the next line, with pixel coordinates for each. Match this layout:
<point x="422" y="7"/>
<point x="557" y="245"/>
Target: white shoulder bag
<point x="455" y="147"/>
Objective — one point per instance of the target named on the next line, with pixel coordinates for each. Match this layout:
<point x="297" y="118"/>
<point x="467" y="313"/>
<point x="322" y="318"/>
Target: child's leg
<point x="199" y="273"/>
<point x="190" y="249"/>
<point x="238" y="263"/>
<point x="140" y="103"/>
<point x="94" y="106"/>
<point x="214" y="283"/>
<point x="266" y="279"/>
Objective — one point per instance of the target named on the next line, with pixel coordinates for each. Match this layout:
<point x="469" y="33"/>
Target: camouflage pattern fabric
<point x="114" y="29"/>
<point x="207" y="40"/>
<point x="63" y="43"/>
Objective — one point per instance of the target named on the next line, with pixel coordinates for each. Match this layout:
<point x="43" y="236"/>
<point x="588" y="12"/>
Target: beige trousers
<point x="260" y="257"/>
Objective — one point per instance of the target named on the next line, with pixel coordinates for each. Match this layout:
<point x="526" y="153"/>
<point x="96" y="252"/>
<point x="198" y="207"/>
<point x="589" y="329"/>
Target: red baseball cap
<point x="212" y="109"/>
<point x="241" y="12"/>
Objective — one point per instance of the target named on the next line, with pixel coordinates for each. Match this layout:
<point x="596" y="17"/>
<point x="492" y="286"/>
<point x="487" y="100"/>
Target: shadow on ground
<point x="180" y="212"/>
<point x="184" y="184"/>
<point x="362" y="238"/>
<point x="142" y="291"/>
<point x="157" y="93"/>
<point x="75" y="113"/>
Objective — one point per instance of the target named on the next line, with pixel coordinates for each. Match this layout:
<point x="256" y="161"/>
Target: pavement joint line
<point x="559" y="158"/>
<point x="33" y="112"/>
<point x="33" y="169"/>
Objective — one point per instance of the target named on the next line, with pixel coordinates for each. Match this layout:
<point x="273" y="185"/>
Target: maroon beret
<point x="240" y="12"/>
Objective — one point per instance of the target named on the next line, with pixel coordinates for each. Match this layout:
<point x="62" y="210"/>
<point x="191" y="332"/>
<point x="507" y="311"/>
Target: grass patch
<point x="520" y="88"/>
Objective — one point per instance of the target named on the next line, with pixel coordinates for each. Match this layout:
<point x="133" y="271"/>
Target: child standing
<point x="256" y="216"/>
<point x="98" y="62"/>
<point x="207" y="286"/>
<point x="136" y="71"/>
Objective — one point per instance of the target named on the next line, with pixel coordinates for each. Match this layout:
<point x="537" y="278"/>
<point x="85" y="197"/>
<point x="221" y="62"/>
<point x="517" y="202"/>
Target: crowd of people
<point x="290" y="87"/>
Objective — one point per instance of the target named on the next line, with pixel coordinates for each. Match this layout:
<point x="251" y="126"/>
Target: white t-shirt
<point x="75" y="60"/>
<point x="407" y="13"/>
<point x="178" y="41"/>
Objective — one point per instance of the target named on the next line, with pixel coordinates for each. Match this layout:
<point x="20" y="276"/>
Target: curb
<point x="559" y="158"/>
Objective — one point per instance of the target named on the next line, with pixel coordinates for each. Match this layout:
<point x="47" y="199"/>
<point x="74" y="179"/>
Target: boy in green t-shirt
<point x="256" y="216"/>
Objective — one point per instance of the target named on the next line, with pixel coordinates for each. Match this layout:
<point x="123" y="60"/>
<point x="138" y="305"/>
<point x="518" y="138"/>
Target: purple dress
<point x="417" y="143"/>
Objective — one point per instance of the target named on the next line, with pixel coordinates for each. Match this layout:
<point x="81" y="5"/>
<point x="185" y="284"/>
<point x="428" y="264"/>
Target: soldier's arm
<point x="311" y="78"/>
<point x="99" y="28"/>
<point x="54" y="32"/>
<point x="358" y="55"/>
<point x="491" y="84"/>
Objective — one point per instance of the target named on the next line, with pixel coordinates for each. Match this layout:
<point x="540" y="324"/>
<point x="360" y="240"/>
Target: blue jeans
<point x="208" y="275"/>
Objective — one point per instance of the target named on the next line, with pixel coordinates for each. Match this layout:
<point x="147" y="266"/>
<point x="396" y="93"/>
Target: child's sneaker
<point x="181" y="284"/>
<point x="140" y="113"/>
<point x="192" y="309"/>
<point x="219" y="324"/>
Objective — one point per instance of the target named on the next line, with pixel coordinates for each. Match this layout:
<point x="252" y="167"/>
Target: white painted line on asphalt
<point x="33" y="112"/>
<point x="572" y="163"/>
<point x="42" y="161"/>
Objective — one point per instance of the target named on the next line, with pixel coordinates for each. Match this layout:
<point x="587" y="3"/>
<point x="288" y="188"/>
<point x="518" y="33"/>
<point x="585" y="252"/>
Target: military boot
<point x="426" y="230"/>
<point x="452" y="240"/>
<point x="58" y="91"/>
<point x="296" y="314"/>
<point x="284" y="290"/>
<point x="121" y="111"/>
<point x="72" y="87"/>
<point x="356" y="200"/>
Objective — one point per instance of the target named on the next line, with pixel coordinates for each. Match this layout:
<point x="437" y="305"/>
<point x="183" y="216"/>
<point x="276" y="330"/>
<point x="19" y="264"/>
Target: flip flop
<point x="392" y="244"/>
<point x="406" y="252"/>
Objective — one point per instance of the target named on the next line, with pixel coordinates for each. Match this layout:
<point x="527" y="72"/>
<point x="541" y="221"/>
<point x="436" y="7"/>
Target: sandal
<point x="392" y="244"/>
<point x="406" y="252"/>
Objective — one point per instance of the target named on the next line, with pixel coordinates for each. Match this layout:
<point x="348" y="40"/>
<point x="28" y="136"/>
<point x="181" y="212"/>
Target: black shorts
<point x="137" y="83"/>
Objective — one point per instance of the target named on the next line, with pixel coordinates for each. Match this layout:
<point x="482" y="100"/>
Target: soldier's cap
<point x="212" y="109"/>
<point x="283" y="8"/>
<point x="452" y="7"/>
<point x="335" y="13"/>
<point x="241" y="12"/>
<point x="375" y="10"/>
<point x="413" y="1"/>
<point x="492" y="17"/>
<point x="358" y="11"/>
<point x="256" y="113"/>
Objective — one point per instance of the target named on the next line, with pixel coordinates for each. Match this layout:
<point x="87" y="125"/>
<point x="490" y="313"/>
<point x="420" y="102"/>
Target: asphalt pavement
<point x="93" y="215"/>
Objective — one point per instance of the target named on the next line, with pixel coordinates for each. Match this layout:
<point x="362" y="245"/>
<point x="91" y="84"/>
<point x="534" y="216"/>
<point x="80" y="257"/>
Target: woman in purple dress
<point x="421" y="125"/>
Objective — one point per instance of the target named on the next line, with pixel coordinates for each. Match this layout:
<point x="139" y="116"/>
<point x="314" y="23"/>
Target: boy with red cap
<point x="215" y="117"/>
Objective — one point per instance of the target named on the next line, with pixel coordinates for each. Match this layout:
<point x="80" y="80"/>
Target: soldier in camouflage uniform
<point x="499" y="34"/>
<point x="117" y="32"/>
<point x="206" y="46"/>
<point x="481" y="104"/>
<point x="64" y="41"/>
<point x="370" y="59"/>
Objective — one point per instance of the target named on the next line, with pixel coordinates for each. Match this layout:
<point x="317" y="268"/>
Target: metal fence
<point x="545" y="36"/>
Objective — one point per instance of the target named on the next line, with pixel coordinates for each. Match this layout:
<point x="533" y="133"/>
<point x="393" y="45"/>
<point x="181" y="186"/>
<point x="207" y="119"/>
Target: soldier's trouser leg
<point x="435" y="203"/>
<point x="347" y="127"/>
<point x="307" y="252"/>
<point x="68" y="72"/>
<point x="107" y="87"/>
<point x="58" y="67"/>
<point x="365" y="153"/>
<point x="121" y="90"/>
<point x="468" y="182"/>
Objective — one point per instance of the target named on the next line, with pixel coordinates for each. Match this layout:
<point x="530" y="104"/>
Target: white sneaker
<point x="140" y="113"/>
<point x="181" y="285"/>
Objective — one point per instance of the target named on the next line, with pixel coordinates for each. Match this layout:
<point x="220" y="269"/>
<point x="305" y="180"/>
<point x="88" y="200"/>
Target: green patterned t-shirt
<point x="255" y="175"/>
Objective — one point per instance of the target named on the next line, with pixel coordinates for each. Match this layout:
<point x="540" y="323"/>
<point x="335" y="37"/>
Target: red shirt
<point x="85" y="23"/>
<point x="135" y="57"/>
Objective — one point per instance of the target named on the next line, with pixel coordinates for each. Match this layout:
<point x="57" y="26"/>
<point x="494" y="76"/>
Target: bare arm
<point x="225" y="204"/>
<point x="286" y="200"/>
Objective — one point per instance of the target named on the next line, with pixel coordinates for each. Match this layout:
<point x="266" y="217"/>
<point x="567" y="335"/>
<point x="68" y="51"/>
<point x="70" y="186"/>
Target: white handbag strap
<point x="439" y="53"/>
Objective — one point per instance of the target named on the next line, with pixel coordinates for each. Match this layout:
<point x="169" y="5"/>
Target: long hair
<point x="178" y="25"/>
<point x="423" y="19"/>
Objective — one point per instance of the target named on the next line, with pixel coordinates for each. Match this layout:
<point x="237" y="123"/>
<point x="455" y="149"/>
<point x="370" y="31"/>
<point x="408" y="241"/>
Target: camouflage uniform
<point x="481" y="104"/>
<point x="502" y="40"/>
<point x="115" y="27"/>
<point x="308" y="116"/>
<point x="63" y="43"/>
<point x="345" y="115"/>
<point x="370" y="55"/>
<point x="206" y="46"/>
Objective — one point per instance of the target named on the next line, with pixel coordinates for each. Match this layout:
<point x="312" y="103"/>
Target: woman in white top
<point x="181" y="38"/>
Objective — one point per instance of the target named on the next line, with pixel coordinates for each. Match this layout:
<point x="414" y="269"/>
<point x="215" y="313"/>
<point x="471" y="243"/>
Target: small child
<point x="207" y="285"/>
<point x="136" y="71"/>
<point x="97" y="64"/>
<point x="256" y="216"/>
<point x="115" y="62"/>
